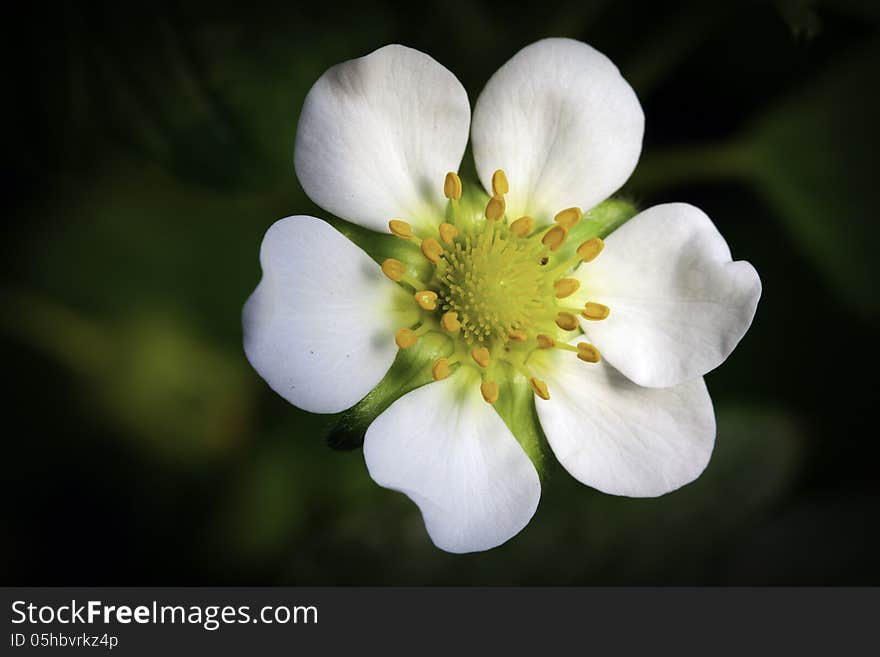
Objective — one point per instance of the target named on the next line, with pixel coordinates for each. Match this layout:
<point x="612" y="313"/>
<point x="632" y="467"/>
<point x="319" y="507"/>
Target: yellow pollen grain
<point x="590" y="249"/>
<point x="522" y="226"/>
<point x="426" y="299"/>
<point x="540" y="388"/>
<point x="566" y="287"/>
<point x="595" y="311"/>
<point x="518" y="336"/>
<point x="448" y="232"/>
<point x="452" y="186"/>
<point x="432" y="250"/>
<point x="588" y="353"/>
<point x="489" y="390"/>
<point x="440" y="369"/>
<point x="449" y="322"/>
<point x="495" y="208"/>
<point x="405" y="338"/>
<point x="499" y="183"/>
<point x="400" y="228"/>
<point x="393" y="269"/>
<point x="566" y="321"/>
<point x="545" y="342"/>
<point x="568" y="218"/>
<point x="555" y="237"/>
<point x="480" y="356"/>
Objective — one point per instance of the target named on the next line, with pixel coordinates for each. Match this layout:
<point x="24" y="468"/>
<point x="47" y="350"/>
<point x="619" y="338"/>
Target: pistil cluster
<point x="497" y="288"/>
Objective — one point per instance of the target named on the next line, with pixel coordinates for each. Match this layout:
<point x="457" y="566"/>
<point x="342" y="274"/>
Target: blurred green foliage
<point x="152" y="148"/>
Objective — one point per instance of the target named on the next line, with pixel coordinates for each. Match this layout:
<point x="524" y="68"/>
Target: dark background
<point x="146" y="152"/>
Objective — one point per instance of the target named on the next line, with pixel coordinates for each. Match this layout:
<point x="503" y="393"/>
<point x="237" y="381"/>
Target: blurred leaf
<point x="265" y="505"/>
<point x="172" y="391"/>
<point x="801" y="17"/>
<point x="814" y="159"/>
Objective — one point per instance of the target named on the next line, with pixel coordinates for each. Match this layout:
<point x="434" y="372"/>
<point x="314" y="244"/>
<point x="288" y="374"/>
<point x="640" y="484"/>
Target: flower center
<point x="498" y="288"/>
<point x="496" y="284"/>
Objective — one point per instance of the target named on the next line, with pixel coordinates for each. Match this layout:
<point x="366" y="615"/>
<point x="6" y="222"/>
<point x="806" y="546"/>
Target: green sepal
<point x="516" y="406"/>
<point x="601" y="221"/>
<point x="380" y="246"/>
<point x="411" y="369"/>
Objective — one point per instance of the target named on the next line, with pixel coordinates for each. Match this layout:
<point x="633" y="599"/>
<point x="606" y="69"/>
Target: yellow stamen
<point x="405" y="338"/>
<point x="595" y="311"/>
<point x="440" y="369"/>
<point x="568" y="218"/>
<point x="495" y="208"/>
<point x="499" y="183"/>
<point x="518" y="336"/>
<point x="452" y="186"/>
<point x="590" y="249"/>
<point x="448" y="232"/>
<point x="545" y="342"/>
<point x="449" y="322"/>
<point x="393" y="269"/>
<point x="480" y="356"/>
<point x="588" y="353"/>
<point x="540" y="388"/>
<point x="554" y="237"/>
<point x="400" y="228"/>
<point x="566" y="287"/>
<point x="489" y="389"/>
<point x="426" y="299"/>
<point x="432" y="250"/>
<point x="566" y="321"/>
<point x="522" y="226"/>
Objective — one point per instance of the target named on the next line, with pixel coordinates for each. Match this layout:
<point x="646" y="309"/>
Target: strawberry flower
<point x="515" y="292"/>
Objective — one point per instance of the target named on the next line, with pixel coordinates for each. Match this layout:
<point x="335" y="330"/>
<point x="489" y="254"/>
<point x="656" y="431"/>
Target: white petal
<point x="377" y="136"/>
<point x="319" y="328"/>
<point x="451" y="454"/>
<point x="562" y="123"/>
<point x="621" y="438"/>
<point x="679" y="305"/>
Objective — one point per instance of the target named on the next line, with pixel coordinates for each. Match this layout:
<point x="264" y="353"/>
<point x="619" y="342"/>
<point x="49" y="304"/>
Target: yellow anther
<point x="448" y="232"/>
<point x="518" y="336"/>
<point x="489" y="389"/>
<point x="452" y="186"/>
<point x="566" y="287"/>
<point x="393" y="269"/>
<point x="499" y="183"/>
<point x="400" y="228"/>
<point x="426" y="299"/>
<point x="590" y="249"/>
<point x="449" y="322"/>
<point x="539" y="387"/>
<point x="595" y="311"/>
<point x="440" y="369"/>
<point x="522" y="226"/>
<point x="545" y="342"/>
<point x="405" y="338"/>
<point x="566" y="321"/>
<point x="432" y="250"/>
<point x="495" y="208"/>
<point x="554" y="237"/>
<point x="568" y="218"/>
<point x="480" y="356"/>
<point x="588" y="353"/>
